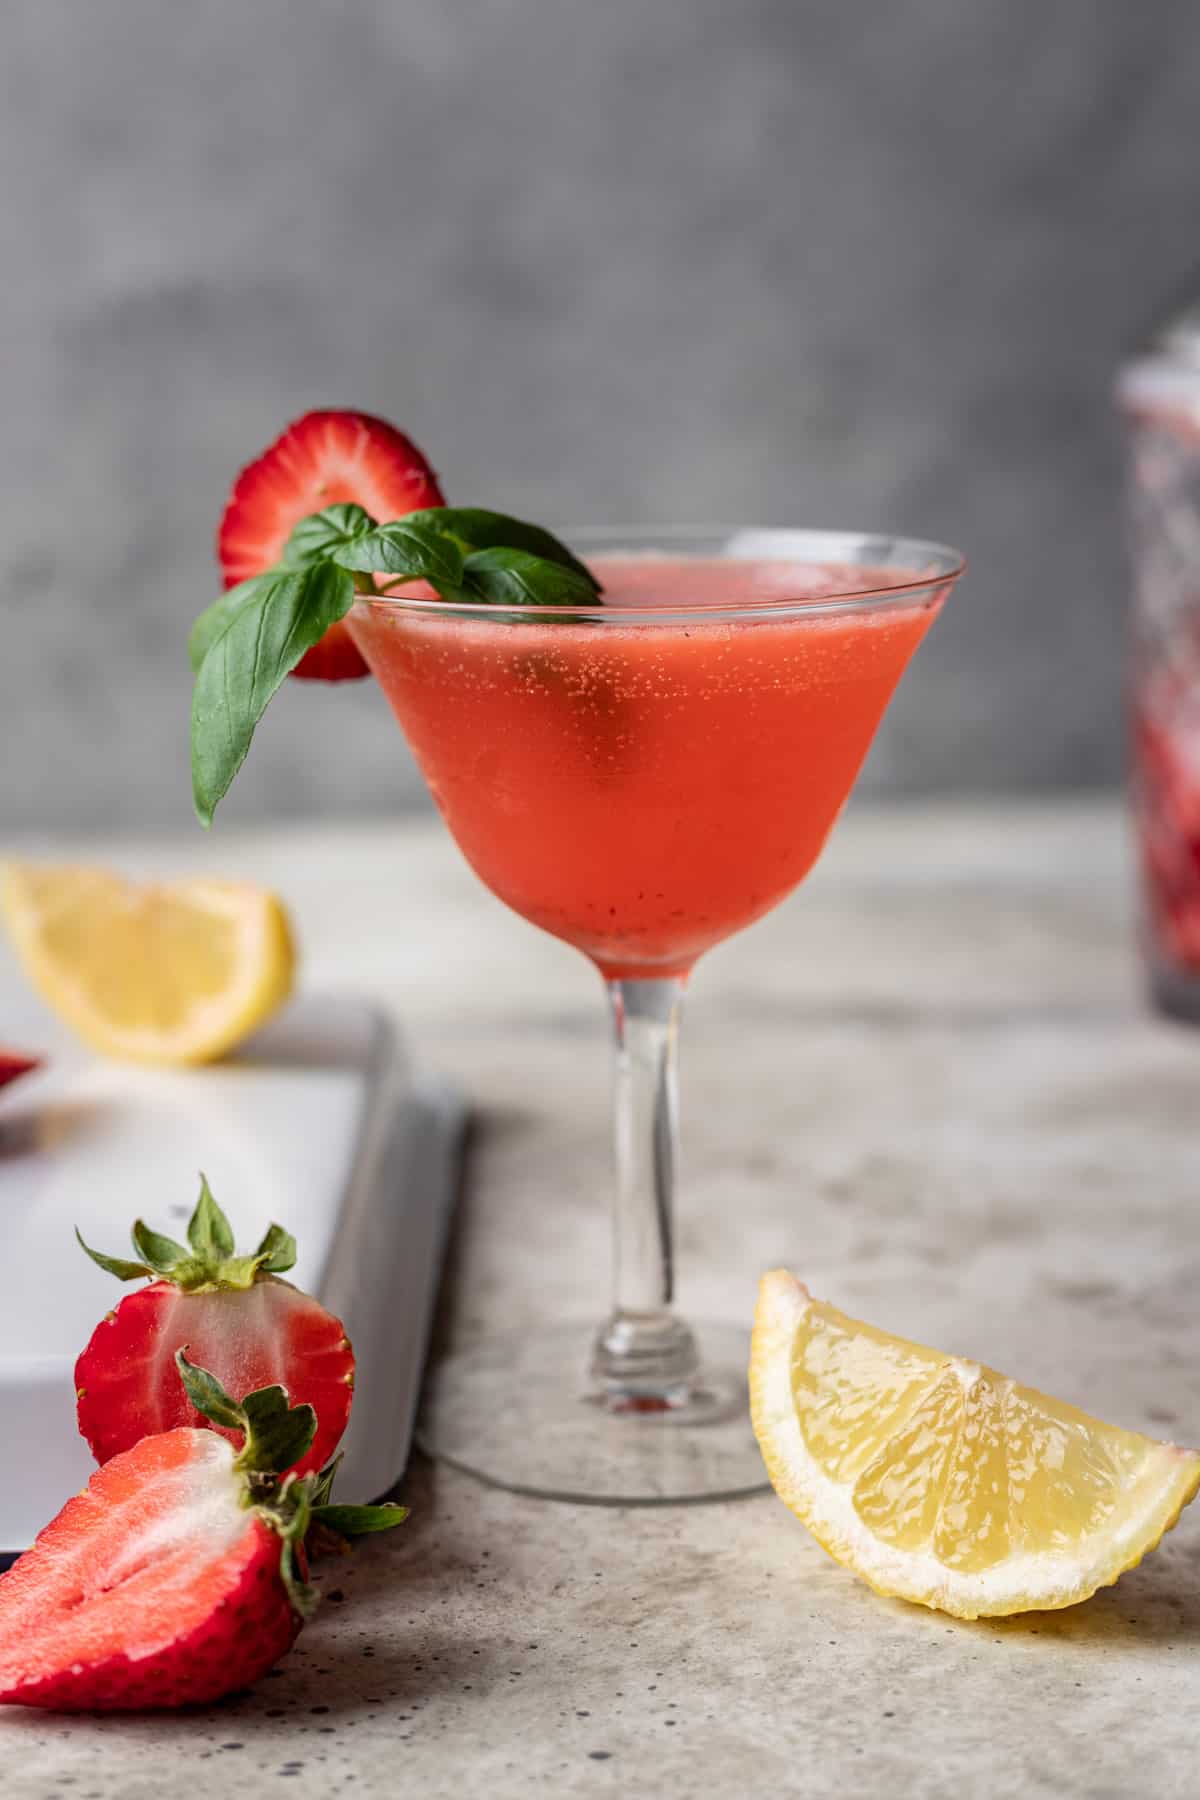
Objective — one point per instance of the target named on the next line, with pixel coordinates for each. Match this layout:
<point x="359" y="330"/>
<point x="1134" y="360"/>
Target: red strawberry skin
<point x="154" y="1587"/>
<point x="126" y="1381"/>
<point x="13" y="1063"/>
<point x="320" y="460"/>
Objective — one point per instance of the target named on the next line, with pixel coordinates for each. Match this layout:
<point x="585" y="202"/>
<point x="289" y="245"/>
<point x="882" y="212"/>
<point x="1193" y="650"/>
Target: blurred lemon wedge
<point x="175" y="972"/>
<point x="940" y="1481"/>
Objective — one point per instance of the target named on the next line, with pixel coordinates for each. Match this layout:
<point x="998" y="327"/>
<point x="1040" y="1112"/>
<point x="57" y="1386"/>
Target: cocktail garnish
<point x="245" y="644"/>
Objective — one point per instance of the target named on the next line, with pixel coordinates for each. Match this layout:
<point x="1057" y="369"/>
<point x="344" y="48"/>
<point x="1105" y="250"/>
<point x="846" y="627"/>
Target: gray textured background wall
<point x="829" y="263"/>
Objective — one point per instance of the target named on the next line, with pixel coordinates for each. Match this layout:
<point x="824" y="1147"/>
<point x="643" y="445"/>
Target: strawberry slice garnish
<point x="14" y="1063"/>
<point x="322" y="458"/>
<point x="241" y="1321"/>
<point x="178" y="1575"/>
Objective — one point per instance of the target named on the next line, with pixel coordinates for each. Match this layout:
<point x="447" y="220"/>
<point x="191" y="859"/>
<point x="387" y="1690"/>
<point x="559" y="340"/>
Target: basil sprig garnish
<point x="247" y="642"/>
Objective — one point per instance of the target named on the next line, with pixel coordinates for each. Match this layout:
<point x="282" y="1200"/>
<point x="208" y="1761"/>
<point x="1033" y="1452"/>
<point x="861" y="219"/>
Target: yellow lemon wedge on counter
<point x="940" y="1481"/>
<point x="174" y="972"/>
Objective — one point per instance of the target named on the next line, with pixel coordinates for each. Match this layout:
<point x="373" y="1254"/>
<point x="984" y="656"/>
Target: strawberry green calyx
<point x="244" y="1319"/>
<point x="208" y="1261"/>
<point x="276" y="1435"/>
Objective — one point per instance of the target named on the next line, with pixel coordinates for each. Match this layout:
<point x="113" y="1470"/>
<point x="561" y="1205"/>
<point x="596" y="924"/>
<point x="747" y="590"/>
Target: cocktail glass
<point x="643" y="778"/>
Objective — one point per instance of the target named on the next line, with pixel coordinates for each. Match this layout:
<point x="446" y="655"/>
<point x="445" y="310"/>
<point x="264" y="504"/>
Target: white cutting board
<point x="318" y="1124"/>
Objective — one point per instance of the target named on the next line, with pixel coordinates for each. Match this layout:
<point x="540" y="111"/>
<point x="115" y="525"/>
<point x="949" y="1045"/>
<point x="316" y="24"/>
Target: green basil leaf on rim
<point x="507" y="577"/>
<point x="480" y="529"/>
<point x="213" y="620"/>
<point x="244" y="645"/>
<point x="280" y="617"/>
<point x="321" y="533"/>
<point x="405" y="551"/>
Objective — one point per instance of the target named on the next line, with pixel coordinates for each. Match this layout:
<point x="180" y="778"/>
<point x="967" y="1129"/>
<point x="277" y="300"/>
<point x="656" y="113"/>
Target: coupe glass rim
<point x="921" y="565"/>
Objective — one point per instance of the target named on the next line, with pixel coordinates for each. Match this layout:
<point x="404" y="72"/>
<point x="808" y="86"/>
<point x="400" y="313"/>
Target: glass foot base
<point x="524" y="1412"/>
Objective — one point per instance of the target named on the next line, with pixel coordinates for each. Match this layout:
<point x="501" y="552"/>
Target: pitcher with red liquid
<point x="1159" y="395"/>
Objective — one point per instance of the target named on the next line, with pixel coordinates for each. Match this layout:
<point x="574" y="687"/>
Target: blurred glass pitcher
<point x="1159" y="397"/>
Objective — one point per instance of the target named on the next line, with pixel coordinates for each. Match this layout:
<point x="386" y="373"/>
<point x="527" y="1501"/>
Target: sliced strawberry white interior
<point x="127" y="1382"/>
<point x="140" y="1557"/>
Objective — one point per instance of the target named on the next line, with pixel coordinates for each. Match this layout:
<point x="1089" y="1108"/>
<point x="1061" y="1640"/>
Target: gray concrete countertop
<point x="929" y="1085"/>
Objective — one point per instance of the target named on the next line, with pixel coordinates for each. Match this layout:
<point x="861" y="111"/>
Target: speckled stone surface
<point x="928" y="1084"/>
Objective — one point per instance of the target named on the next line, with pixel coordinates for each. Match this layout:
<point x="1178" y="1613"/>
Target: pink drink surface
<point x="644" y="789"/>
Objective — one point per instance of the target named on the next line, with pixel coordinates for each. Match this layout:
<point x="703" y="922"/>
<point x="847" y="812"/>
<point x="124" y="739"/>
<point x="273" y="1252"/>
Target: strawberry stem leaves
<point x="248" y="641"/>
<point x="292" y="1521"/>
<point x="114" y="1265"/>
<point x="159" y="1252"/>
<point x="209" y="1262"/>
<point x="277" y="1251"/>
<point x="209" y="1397"/>
<point x="276" y="1435"/>
<point x="360" y="1521"/>
<point x="209" y="1232"/>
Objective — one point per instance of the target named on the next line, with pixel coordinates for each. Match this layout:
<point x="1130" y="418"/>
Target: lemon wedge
<point x="164" y="973"/>
<point x="940" y="1481"/>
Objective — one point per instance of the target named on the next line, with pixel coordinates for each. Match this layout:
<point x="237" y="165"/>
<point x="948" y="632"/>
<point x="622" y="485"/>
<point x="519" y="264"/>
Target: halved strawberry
<point x="320" y="459"/>
<point x="178" y="1574"/>
<point x="14" y="1063"/>
<point x="242" y="1322"/>
<point x="154" y="1587"/>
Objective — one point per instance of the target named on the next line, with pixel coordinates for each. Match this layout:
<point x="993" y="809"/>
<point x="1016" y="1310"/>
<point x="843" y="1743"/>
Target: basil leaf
<point x="320" y="534"/>
<point x="412" y="552"/>
<point x="505" y="577"/>
<point x="482" y="530"/>
<point x="246" y="662"/>
<point x="213" y="620"/>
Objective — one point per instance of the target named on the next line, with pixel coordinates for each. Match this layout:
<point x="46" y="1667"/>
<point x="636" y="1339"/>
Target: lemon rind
<point x="1025" y="1582"/>
<point x="265" y="960"/>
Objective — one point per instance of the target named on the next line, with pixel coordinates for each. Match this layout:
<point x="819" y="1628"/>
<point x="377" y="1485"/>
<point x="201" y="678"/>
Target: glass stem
<point x="645" y="1358"/>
